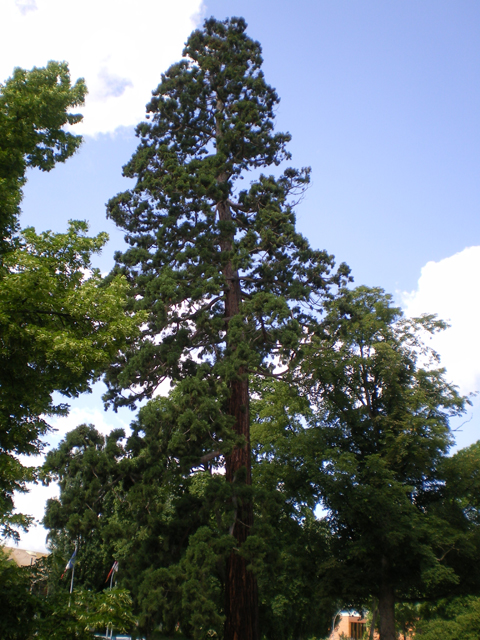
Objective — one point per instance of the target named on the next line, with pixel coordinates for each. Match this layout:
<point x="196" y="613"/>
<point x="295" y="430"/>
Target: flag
<point x="112" y="570"/>
<point x="70" y="563"/>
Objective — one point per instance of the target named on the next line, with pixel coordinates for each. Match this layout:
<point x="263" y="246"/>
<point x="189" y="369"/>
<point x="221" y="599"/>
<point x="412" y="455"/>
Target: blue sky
<point x="382" y="100"/>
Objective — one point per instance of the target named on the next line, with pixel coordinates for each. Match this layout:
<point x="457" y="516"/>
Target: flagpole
<point x="71" y="581"/>
<point x="110" y="575"/>
<point x="73" y="567"/>
<point x="74" y="556"/>
<point x="111" y="628"/>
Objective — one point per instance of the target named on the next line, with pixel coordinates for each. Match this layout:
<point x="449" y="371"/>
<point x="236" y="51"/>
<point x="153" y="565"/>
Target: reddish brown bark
<point x="240" y="601"/>
<point x="241" y="597"/>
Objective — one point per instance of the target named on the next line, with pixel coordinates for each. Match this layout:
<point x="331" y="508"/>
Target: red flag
<point x="112" y="570"/>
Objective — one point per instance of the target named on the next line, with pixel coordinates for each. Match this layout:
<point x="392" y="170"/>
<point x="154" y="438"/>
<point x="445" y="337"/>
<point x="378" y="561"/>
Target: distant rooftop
<point x="24" y="557"/>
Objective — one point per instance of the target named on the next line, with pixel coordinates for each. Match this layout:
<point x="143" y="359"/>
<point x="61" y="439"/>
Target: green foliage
<point x="168" y="525"/>
<point x="60" y="327"/>
<point x="292" y="544"/>
<point x="456" y="521"/>
<point x="232" y="290"/>
<point x="19" y="602"/>
<point x="31" y="610"/>
<point x="366" y="435"/>
<point x="88" y="468"/>
<point x="384" y="426"/>
<point x="406" y="618"/>
<point x="452" y="619"/>
<point x="34" y="107"/>
<point x="167" y="521"/>
<point x="292" y="603"/>
<point x="134" y="501"/>
<point x="80" y="615"/>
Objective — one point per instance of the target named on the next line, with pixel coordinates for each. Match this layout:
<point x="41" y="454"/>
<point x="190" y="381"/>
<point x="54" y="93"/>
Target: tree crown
<point x="194" y="236"/>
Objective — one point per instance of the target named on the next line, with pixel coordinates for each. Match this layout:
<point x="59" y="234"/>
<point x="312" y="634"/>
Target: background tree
<point x="30" y="610"/>
<point x="19" y="602"/>
<point x="83" y="615"/>
<point x="59" y="330"/>
<point x="382" y="420"/>
<point x="140" y="503"/>
<point x="231" y="288"/>
<point x="449" y="619"/>
<point x="292" y="544"/>
<point x="89" y="468"/>
<point x="406" y="618"/>
<point x="460" y="506"/>
<point x="166" y="526"/>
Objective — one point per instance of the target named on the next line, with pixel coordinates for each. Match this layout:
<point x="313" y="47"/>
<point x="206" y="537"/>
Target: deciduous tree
<point x="60" y="327"/>
<point x="34" y="107"/>
<point x="381" y="410"/>
<point x="30" y="610"/>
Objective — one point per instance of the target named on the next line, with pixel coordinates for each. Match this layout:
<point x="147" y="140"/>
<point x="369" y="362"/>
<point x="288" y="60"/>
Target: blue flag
<point x="71" y="562"/>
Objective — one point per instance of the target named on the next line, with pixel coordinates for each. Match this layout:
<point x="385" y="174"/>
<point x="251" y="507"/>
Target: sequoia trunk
<point x="241" y="605"/>
<point x="241" y="598"/>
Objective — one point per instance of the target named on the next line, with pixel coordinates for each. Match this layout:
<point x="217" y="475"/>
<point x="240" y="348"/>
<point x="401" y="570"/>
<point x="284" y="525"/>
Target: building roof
<point x="24" y="557"/>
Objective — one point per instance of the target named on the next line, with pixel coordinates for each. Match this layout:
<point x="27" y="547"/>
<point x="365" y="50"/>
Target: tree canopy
<point x="138" y="501"/>
<point x="59" y="330"/>
<point x="366" y="436"/>
<point x="34" y="107"/>
<point x="33" y="606"/>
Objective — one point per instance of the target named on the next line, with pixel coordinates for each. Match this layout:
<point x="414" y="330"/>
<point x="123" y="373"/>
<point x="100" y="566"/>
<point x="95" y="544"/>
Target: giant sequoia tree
<point x="231" y="288"/>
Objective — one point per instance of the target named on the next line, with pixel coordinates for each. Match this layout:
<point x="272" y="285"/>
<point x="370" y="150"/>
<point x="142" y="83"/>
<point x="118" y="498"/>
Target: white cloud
<point x="102" y="421"/>
<point x="119" y="47"/>
<point x="33" y="503"/>
<point x="25" y="6"/>
<point x="450" y="288"/>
